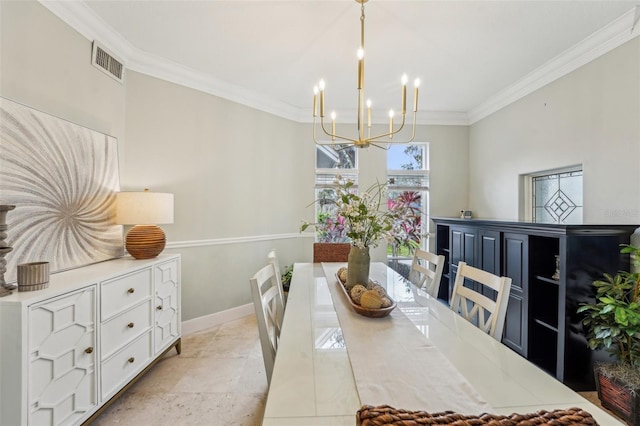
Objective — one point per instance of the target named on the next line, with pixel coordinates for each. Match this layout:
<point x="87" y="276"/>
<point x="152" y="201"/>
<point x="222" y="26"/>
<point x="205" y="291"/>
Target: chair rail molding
<point x="237" y="240"/>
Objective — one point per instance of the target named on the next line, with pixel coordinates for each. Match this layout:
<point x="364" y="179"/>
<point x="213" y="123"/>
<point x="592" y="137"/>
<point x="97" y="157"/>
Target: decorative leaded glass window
<point x="557" y="197"/>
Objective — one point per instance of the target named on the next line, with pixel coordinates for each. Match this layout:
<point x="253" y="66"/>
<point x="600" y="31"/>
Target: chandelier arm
<point x="413" y="135"/>
<point x="378" y="146"/>
<point x="413" y="130"/>
<point x="384" y="135"/>
<point x="335" y="135"/>
<point x="315" y="139"/>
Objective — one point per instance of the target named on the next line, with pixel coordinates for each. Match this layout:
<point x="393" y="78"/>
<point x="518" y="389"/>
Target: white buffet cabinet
<point x="67" y="350"/>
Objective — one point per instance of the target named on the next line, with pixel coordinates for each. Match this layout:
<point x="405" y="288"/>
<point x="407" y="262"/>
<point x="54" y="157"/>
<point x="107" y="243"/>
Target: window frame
<point x="423" y="189"/>
<point x="346" y="173"/>
<point x="528" y="193"/>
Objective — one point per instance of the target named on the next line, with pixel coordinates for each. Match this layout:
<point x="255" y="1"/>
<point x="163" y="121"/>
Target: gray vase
<point x="358" y="267"/>
<point x="4" y="249"/>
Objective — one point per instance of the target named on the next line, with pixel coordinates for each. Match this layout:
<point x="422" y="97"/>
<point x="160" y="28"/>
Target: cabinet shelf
<point x="545" y="324"/>
<point x="547" y="280"/>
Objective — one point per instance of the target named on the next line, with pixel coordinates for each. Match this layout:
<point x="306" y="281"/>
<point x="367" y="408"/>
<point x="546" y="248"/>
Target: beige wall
<point x="47" y="65"/>
<point x="242" y="178"/>
<point x="237" y="173"/>
<point x="589" y="117"/>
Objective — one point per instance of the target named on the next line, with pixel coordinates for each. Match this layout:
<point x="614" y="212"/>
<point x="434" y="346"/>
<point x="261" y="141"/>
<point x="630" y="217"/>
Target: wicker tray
<point x="389" y="416"/>
<point x="371" y="313"/>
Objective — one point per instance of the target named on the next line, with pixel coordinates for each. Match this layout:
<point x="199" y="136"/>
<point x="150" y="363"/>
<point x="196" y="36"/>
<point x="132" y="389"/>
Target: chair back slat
<point x="426" y="271"/>
<point x="487" y="314"/>
<point x="269" y="311"/>
<point x="272" y="257"/>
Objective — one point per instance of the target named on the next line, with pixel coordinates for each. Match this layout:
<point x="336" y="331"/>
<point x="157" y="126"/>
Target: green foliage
<point x="415" y="152"/>
<point x="286" y="277"/>
<point x="613" y="321"/>
<point x="362" y="218"/>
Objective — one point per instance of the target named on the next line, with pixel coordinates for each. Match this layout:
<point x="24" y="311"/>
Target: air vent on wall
<point x="107" y="62"/>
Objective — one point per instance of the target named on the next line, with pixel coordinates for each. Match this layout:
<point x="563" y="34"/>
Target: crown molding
<point x="81" y="18"/>
<point x="597" y="44"/>
<point x="179" y="74"/>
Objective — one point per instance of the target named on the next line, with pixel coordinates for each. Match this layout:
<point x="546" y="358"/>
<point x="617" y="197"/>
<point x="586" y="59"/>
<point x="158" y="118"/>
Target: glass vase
<point x="358" y="267"/>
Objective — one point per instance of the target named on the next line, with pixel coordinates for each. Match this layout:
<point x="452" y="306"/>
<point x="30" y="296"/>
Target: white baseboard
<point x="208" y="321"/>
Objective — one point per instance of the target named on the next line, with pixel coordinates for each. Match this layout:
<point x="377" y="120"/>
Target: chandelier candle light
<point x="364" y="138"/>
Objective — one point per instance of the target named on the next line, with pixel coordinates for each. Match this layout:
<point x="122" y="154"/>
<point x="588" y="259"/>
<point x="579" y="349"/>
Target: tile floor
<point x="218" y="379"/>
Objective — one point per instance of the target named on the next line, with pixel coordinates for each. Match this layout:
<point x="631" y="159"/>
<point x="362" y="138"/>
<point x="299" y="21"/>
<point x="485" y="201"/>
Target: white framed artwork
<point x="62" y="178"/>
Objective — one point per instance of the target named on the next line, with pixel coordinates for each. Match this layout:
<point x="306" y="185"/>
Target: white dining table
<point x="313" y="381"/>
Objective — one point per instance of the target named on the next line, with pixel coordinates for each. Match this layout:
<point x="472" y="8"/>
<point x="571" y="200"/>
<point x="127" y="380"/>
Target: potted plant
<point x="286" y="277"/>
<point x="363" y="220"/>
<point x="613" y="323"/>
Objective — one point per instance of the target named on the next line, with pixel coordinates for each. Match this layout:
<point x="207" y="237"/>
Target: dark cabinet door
<point x="462" y="248"/>
<point x="489" y="256"/>
<point x="516" y="267"/>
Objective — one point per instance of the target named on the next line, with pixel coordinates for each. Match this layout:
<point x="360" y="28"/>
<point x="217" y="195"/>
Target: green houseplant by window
<point x="613" y="324"/>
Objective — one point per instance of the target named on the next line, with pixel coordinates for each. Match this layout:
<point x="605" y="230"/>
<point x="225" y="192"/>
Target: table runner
<point x="394" y="363"/>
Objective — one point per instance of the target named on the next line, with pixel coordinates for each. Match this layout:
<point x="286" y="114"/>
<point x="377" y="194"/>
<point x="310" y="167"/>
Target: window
<point x="408" y="183"/>
<point x="332" y="161"/>
<point x="556" y="196"/>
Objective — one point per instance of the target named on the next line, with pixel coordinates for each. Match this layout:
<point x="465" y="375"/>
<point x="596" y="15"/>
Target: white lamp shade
<point x="144" y="208"/>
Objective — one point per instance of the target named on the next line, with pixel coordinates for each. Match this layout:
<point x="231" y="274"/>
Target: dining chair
<point x="268" y="306"/>
<point x="485" y="313"/>
<point x="272" y="257"/>
<point x="426" y="271"/>
<point x="331" y="252"/>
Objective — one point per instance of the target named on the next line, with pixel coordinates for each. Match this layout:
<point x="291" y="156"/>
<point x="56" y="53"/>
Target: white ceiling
<point x="270" y="54"/>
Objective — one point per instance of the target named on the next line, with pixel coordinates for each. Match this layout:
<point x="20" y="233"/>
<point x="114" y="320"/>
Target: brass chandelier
<point x="364" y="138"/>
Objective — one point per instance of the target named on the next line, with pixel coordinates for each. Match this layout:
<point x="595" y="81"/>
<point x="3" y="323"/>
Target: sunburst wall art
<point x="62" y="178"/>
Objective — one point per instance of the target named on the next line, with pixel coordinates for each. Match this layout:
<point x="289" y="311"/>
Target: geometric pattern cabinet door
<point x="61" y="367"/>
<point x="167" y="303"/>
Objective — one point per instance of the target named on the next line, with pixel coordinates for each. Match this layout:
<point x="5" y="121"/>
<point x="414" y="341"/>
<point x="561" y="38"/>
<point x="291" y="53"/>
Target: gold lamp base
<point x="145" y="241"/>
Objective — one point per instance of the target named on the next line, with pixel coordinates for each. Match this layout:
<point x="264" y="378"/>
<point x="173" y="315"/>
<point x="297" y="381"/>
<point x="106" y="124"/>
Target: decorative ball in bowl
<point x="370" y="300"/>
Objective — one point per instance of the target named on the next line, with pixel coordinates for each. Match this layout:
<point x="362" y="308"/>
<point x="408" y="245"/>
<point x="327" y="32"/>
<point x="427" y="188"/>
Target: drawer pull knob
<point x="131" y="290"/>
<point x="131" y="360"/>
<point x="159" y="308"/>
<point x="130" y="325"/>
<point x="88" y="350"/>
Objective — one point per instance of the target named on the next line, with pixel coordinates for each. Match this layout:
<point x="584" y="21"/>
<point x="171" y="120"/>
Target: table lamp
<point x="145" y="210"/>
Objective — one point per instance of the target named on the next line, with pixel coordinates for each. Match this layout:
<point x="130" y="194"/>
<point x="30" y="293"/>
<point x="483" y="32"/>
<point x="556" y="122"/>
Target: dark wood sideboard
<point x="542" y="324"/>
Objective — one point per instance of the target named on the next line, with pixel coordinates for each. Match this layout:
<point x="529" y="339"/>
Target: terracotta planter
<point x="621" y="400"/>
